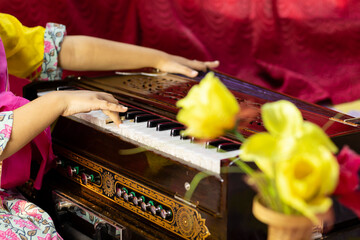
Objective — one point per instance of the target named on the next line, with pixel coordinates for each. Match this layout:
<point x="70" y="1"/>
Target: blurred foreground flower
<point x="348" y="189"/>
<point x="298" y="167"/>
<point x="296" y="158"/>
<point x="208" y="110"/>
<point x="349" y="166"/>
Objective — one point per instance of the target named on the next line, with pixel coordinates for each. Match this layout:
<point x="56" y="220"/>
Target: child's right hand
<point x="32" y="118"/>
<point x="85" y="101"/>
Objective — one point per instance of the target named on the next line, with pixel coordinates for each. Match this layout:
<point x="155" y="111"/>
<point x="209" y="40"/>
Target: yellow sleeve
<point x="24" y="47"/>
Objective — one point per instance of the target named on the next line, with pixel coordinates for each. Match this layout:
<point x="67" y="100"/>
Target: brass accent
<point x="85" y="162"/>
<point x="355" y="121"/>
<point x="108" y="184"/>
<point x="186" y="222"/>
<point x="188" y="227"/>
<point x="346" y="121"/>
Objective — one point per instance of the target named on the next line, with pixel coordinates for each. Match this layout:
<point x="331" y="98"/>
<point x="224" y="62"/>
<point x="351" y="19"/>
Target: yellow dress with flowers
<point x="32" y="52"/>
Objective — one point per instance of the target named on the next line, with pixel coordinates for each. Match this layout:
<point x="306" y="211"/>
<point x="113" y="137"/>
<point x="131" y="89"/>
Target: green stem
<point x="243" y="166"/>
<point x="239" y="136"/>
<point x="201" y="175"/>
<point x="194" y="183"/>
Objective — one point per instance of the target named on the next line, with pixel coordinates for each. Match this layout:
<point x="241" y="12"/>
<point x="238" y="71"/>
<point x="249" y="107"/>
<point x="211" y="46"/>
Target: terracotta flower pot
<point x="282" y="226"/>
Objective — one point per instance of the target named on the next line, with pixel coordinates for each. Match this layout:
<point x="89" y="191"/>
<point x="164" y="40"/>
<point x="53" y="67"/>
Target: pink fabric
<point x="16" y="169"/>
<point x="309" y="49"/>
<point x="3" y="69"/>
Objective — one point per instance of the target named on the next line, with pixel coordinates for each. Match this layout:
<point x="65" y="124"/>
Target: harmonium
<point x="144" y="180"/>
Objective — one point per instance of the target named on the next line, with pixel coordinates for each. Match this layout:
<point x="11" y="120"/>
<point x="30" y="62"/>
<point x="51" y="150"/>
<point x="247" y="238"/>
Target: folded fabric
<point x="16" y="169"/>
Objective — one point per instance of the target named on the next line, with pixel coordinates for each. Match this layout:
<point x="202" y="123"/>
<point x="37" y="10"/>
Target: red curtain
<point x="308" y="49"/>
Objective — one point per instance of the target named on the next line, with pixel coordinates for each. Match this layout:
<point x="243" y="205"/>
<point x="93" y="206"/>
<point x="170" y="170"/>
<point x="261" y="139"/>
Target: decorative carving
<point x="186" y="221"/>
<point x="190" y="224"/>
<point x="108" y="184"/>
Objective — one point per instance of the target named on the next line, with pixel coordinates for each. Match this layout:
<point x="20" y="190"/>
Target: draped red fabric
<point x="308" y="49"/>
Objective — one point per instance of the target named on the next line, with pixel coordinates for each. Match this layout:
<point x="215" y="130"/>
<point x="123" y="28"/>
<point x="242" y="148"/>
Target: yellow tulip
<point x="297" y="155"/>
<point x="209" y="109"/>
<point x="307" y="178"/>
<point x="286" y="129"/>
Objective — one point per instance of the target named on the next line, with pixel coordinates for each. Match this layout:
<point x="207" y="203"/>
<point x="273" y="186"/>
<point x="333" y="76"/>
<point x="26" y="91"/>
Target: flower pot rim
<point x="269" y="216"/>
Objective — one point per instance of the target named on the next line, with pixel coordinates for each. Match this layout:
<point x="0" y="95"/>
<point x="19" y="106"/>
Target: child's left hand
<point x="181" y="65"/>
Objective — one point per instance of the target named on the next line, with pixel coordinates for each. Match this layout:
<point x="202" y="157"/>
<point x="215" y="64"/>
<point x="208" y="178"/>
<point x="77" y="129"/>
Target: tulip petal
<point x="260" y="148"/>
<point x="282" y="118"/>
<point x="330" y="168"/>
<point x="313" y="132"/>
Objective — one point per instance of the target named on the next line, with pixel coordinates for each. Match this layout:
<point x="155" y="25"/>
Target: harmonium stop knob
<point x="71" y="171"/>
<point x="120" y="191"/>
<point x="165" y="213"/>
<point x="145" y="206"/>
<point x="59" y="162"/>
<point x="86" y="178"/>
<point x="128" y="196"/>
<point x="154" y="210"/>
<point x="138" y="200"/>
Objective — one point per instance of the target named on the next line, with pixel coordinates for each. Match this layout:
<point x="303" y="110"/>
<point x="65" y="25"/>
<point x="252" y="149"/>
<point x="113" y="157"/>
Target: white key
<point x="194" y="154"/>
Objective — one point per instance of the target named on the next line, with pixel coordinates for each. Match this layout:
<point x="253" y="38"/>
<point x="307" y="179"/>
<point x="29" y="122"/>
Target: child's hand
<point x="177" y="64"/>
<point x="86" y="101"/>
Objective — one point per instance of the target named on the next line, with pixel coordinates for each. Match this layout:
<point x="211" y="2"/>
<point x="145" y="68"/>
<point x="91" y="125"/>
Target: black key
<point x="154" y="122"/>
<point x="60" y="88"/>
<point x="133" y="110"/>
<point x="167" y="126"/>
<point x="183" y="137"/>
<point x="145" y="117"/>
<point x="123" y="114"/>
<point x="176" y="131"/>
<point x="228" y="147"/>
<point x="215" y="143"/>
<point x="132" y="115"/>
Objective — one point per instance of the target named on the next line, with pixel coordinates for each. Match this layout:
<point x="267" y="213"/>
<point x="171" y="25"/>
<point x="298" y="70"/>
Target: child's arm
<point x="83" y="53"/>
<point x="32" y="118"/>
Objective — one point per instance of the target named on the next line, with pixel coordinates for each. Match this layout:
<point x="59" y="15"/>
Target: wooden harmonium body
<point x="150" y="180"/>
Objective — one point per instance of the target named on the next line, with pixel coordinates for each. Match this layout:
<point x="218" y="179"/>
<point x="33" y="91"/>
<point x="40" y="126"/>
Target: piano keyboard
<point x="164" y="137"/>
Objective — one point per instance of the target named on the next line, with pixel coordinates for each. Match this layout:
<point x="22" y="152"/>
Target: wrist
<point x="57" y="101"/>
<point x="160" y="60"/>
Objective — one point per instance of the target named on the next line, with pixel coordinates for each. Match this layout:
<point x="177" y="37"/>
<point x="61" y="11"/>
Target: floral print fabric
<point x="20" y="219"/>
<point x="23" y="220"/>
<point x="6" y="121"/>
<point x="53" y="37"/>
